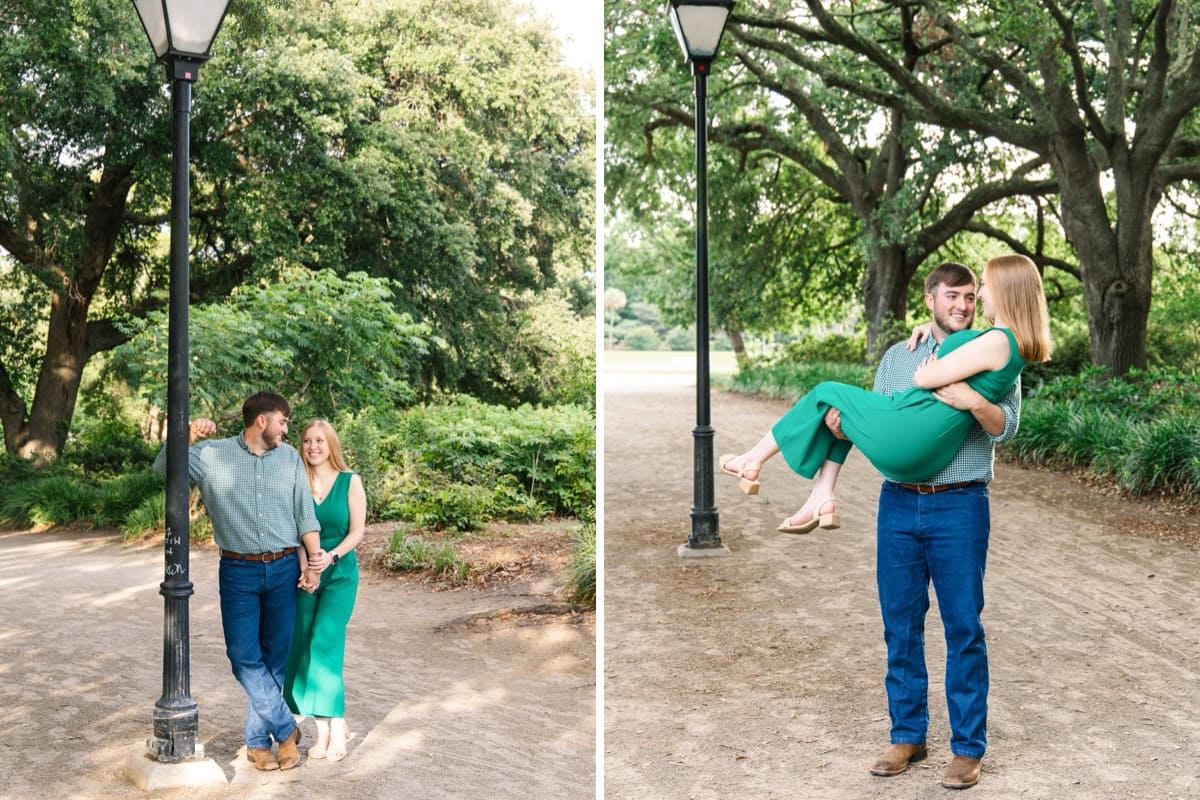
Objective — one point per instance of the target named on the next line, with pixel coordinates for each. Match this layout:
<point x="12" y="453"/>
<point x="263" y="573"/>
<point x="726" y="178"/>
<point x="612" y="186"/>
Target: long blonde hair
<point x="331" y="440"/>
<point x="1019" y="300"/>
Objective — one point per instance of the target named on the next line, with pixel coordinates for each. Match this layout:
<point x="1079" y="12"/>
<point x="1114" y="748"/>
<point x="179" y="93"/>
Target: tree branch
<point x="1018" y="247"/>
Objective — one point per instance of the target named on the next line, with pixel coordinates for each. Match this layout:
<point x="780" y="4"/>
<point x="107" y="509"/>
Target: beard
<point x="270" y="440"/>
<point x="949" y="324"/>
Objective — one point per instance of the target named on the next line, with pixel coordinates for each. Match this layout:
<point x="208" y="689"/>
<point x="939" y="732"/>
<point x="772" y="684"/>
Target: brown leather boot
<point x="262" y="758"/>
<point x="897" y="758"/>
<point x="963" y="773"/>
<point x="289" y="756"/>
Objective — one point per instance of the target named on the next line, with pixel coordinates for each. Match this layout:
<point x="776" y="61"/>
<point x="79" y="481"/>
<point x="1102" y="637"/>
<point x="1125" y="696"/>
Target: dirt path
<point x="443" y="705"/>
<point x="760" y="675"/>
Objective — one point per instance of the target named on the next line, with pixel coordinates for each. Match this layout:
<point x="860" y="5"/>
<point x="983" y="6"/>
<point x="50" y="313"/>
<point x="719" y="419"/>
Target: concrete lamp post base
<point x="149" y="774"/>
<point x="683" y="551"/>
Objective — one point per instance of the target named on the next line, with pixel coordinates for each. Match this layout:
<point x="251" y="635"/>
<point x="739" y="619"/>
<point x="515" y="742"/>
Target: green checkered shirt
<point x="257" y="504"/>
<point x="974" y="459"/>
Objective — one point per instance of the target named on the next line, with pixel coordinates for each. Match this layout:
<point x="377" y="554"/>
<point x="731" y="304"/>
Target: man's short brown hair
<point x="264" y="403"/>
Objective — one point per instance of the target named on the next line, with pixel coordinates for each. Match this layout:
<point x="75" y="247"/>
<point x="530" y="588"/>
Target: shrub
<point x="461" y="506"/>
<point x="108" y="448"/>
<point x="643" y="337"/>
<point x="581" y="570"/>
<point x="681" y="339"/>
<point x="120" y="496"/>
<point x="791" y="381"/>
<point x="834" y="347"/>
<point x="53" y="500"/>
<point x="148" y="517"/>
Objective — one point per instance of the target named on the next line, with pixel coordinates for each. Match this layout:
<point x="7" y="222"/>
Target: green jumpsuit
<point x="313" y="682"/>
<point x="908" y="436"/>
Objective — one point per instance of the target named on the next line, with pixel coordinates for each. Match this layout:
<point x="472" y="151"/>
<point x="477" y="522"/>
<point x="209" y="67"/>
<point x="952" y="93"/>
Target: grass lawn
<point x="667" y="361"/>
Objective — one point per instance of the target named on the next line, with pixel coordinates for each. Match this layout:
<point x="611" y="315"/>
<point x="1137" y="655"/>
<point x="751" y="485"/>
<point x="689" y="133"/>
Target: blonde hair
<point x="331" y="439"/>
<point x="1018" y="298"/>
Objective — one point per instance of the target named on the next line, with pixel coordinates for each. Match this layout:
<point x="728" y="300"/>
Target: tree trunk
<point x="885" y="292"/>
<point x="42" y="434"/>
<point x="739" y="347"/>
<point x="1116" y="266"/>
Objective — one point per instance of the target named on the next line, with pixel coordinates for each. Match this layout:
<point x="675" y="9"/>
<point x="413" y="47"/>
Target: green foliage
<point x="551" y="357"/>
<point x="328" y="342"/>
<point x="835" y="347"/>
<point x="107" y="447"/>
<point x="120" y="497"/>
<point x="1141" y="430"/>
<point x="551" y="452"/>
<point x="46" y="501"/>
<point x="348" y="137"/>
<point x="791" y="381"/>
<point x="460" y="506"/>
<point x="681" y="339"/>
<point x="581" y="570"/>
<point x="641" y="337"/>
<point x="413" y="553"/>
<point x="149" y="516"/>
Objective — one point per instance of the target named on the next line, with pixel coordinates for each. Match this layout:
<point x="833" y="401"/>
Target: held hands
<point x="319" y="560"/>
<point x="200" y="428"/>
<point x="310" y="579"/>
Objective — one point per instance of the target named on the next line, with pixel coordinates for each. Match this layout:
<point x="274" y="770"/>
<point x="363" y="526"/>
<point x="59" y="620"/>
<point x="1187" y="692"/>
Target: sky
<point x="579" y="22"/>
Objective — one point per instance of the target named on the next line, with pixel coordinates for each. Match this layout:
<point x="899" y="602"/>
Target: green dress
<point x="313" y="682"/>
<point x="908" y="436"/>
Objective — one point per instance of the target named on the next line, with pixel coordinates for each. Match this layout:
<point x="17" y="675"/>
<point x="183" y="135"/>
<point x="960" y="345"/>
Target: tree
<point x="352" y="137"/>
<point x="909" y="187"/>
<point x="614" y="301"/>
<point x="1105" y="93"/>
<point x="329" y="344"/>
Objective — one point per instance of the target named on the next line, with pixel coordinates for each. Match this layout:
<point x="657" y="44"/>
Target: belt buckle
<point x="926" y="488"/>
<point x="269" y="557"/>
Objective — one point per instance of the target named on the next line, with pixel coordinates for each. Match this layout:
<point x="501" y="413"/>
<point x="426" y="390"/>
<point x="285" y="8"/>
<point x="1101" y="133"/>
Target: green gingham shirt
<point x="973" y="462"/>
<point x="257" y="504"/>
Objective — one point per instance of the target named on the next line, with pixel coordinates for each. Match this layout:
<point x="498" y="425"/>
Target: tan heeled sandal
<point x="826" y="521"/>
<point x="745" y="484"/>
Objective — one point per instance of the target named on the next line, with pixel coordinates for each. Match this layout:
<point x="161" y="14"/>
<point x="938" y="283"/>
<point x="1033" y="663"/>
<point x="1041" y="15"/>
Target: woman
<point x="910" y="435"/>
<point x="313" y="685"/>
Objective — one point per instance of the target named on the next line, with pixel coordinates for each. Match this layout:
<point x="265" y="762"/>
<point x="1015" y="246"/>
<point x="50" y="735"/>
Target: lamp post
<point x="181" y="33"/>
<point x="698" y="26"/>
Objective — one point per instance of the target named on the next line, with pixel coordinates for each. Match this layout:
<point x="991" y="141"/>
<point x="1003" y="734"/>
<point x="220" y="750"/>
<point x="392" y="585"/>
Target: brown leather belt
<point x="934" y="488"/>
<point x="259" y="556"/>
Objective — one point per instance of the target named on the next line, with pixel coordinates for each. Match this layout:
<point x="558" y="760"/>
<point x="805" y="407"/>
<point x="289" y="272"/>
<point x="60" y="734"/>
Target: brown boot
<point x="262" y="758"/>
<point x="963" y="773"/>
<point x="289" y="756"/>
<point x="897" y="758"/>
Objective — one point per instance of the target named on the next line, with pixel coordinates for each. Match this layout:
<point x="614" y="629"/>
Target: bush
<point x="643" y="337"/>
<point x="791" y="381"/>
<point x="53" y="500"/>
<point x="681" y="339"/>
<point x="461" y="506"/>
<point x="150" y="516"/>
<point x="581" y="571"/>
<point x="835" y="347"/>
<point x="120" y="496"/>
<point x="108" y="448"/>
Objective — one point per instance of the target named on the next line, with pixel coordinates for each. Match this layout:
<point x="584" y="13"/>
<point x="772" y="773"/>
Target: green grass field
<point x="666" y="361"/>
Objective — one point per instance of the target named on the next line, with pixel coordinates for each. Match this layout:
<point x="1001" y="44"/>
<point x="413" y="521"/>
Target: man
<point x="256" y="491"/>
<point x="938" y="530"/>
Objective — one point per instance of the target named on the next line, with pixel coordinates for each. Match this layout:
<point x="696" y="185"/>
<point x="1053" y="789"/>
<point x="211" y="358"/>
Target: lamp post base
<point x="149" y="774"/>
<point x="686" y="551"/>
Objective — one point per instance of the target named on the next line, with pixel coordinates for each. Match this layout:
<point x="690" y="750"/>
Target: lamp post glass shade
<point x="181" y="27"/>
<point x="698" y="25"/>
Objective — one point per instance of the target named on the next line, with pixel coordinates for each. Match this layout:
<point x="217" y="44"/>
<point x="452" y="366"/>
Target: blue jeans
<point x="941" y="537"/>
<point x="258" y="610"/>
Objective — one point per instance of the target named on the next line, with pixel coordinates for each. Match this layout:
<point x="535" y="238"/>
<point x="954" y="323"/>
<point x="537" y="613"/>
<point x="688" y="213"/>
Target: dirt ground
<point x="449" y="693"/>
<point x="760" y="675"/>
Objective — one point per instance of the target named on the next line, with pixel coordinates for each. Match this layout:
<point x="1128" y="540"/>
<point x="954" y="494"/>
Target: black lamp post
<point x="698" y="25"/>
<point x="181" y="32"/>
